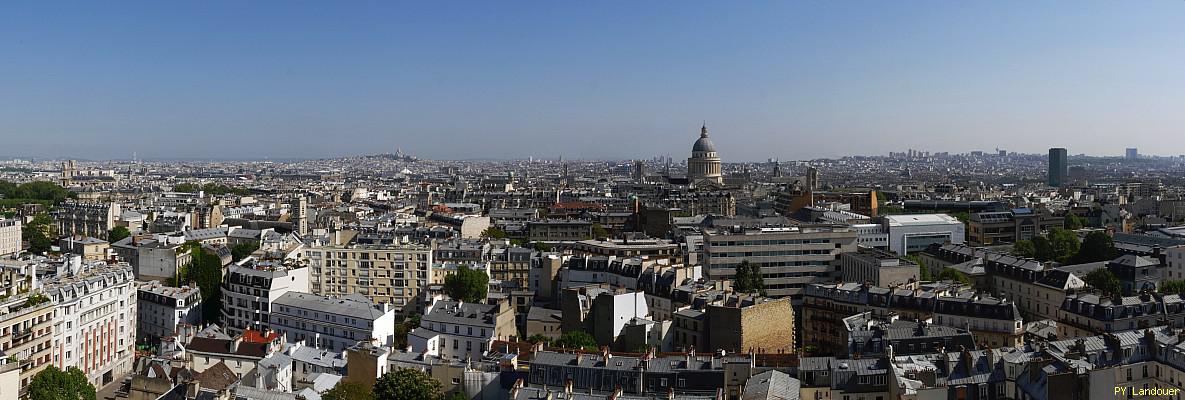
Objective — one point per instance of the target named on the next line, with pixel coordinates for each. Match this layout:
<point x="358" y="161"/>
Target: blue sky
<point x="791" y="80"/>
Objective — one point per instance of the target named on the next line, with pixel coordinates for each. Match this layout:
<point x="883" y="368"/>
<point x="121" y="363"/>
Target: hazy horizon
<point x="605" y="80"/>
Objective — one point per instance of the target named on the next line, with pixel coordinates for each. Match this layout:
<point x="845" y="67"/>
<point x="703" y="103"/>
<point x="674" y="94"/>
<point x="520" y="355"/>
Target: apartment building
<point x="27" y="323"/>
<point x="790" y="258"/>
<point x="384" y="273"/>
<point x="96" y="319"/>
<point x="1035" y="288"/>
<point x="333" y="323"/>
<point x="652" y="248"/>
<point x="250" y="289"/>
<point x="607" y="375"/>
<point x="86" y="219"/>
<point x="511" y="264"/>
<point x="1088" y="314"/>
<point x="995" y="322"/>
<point x="160" y="309"/>
<point x="241" y="353"/>
<point x="10" y="236"/>
<point x="559" y="230"/>
<point x="458" y="330"/>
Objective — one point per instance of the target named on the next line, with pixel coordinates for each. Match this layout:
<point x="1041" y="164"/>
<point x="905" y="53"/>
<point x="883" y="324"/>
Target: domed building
<point x="704" y="164"/>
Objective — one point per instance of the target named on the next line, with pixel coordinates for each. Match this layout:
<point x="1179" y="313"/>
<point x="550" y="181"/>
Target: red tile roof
<point x="254" y="336"/>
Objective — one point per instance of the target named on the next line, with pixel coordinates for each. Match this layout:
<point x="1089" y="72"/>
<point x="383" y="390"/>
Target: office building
<point x="998" y="227"/>
<point x="878" y="268"/>
<point x="1058" y="167"/>
<point x="789" y="258"/>
<point x="1132" y="153"/>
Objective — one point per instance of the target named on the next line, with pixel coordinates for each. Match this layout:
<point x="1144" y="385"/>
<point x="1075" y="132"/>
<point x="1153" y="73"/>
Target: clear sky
<point x="594" y="79"/>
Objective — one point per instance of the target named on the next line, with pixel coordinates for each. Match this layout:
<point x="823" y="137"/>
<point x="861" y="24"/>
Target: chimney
<point x="967" y="360"/>
<point x="568" y="389"/>
<point x="617" y="392"/>
<point x="514" y="390"/>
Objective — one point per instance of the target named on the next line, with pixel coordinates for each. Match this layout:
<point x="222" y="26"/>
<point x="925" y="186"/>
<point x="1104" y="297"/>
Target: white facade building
<point x="908" y="233"/>
<point x="1175" y="261"/>
<point x="914" y="232"/>
<point x="457" y="330"/>
<point x="250" y="288"/>
<point x="96" y="319"/>
<point x="331" y="323"/>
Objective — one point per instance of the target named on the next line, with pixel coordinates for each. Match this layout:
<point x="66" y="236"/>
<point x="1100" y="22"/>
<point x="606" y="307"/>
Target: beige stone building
<point x="391" y="273"/>
<point x="746" y="323"/>
<point x="26" y="329"/>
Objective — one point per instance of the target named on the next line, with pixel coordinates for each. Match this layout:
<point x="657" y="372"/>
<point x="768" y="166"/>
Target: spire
<point x="703" y="131"/>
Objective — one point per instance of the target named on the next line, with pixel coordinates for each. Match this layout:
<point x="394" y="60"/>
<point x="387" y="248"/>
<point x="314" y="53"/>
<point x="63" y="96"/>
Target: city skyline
<point x="478" y="81"/>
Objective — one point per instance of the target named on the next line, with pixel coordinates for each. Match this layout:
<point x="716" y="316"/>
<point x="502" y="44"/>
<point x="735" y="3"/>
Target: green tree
<point x="1172" y="287"/>
<point x="55" y="384"/>
<point x="1104" y="280"/>
<point x="40" y="190"/>
<point x="401" y="330"/>
<point x="1074" y="222"/>
<point x="205" y="269"/>
<point x="185" y="188"/>
<point x="599" y="231"/>
<point x="951" y="274"/>
<point x="493" y="233"/>
<point x="457" y="396"/>
<point x="118" y="233"/>
<point x="539" y="338"/>
<point x="1065" y="244"/>
<point x="39" y="233"/>
<point x="924" y="274"/>
<point x="540" y="246"/>
<point x="348" y="391"/>
<point x="1024" y="248"/>
<point x="406" y="383"/>
<point x="748" y="278"/>
<point x="577" y="340"/>
<point x="467" y="284"/>
<point x="1042" y="248"/>
<point x="242" y="250"/>
<point x="962" y="216"/>
<point x="1098" y="246"/>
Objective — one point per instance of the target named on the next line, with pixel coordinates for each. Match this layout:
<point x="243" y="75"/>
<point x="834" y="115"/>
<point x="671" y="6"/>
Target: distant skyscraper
<point x="639" y="171"/>
<point x="1132" y="153"/>
<point x="1058" y="169"/>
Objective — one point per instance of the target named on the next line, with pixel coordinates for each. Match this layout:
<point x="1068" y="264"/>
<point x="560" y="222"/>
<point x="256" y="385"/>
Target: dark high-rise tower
<point x="1058" y="169"/>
